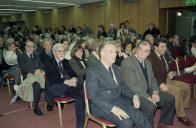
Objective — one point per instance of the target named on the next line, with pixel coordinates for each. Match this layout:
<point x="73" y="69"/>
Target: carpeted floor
<point x="19" y="115"/>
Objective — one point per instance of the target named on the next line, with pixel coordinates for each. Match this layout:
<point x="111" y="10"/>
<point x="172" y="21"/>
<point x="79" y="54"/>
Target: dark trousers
<point x="36" y="93"/>
<point x="136" y="118"/>
<point x="167" y="105"/>
<point x="75" y="92"/>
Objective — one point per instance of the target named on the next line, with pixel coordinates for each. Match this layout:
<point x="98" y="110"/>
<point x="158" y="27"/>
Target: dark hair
<point x="80" y="41"/>
<point x="127" y="43"/>
<point x="75" y="48"/>
<point x="122" y="23"/>
<point x="160" y="40"/>
<point x="64" y="39"/>
<point x="102" y="26"/>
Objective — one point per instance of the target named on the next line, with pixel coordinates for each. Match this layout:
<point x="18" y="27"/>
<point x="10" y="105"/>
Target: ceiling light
<point x="24" y="6"/>
<point x="18" y="10"/>
<point x="45" y="2"/>
<point x="179" y="14"/>
<point x="10" y="13"/>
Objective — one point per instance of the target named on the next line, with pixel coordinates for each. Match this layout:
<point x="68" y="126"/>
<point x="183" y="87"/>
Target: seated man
<point x="138" y="74"/>
<point x="62" y="82"/>
<point x="180" y="90"/>
<point x="32" y="69"/>
<point x="110" y="97"/>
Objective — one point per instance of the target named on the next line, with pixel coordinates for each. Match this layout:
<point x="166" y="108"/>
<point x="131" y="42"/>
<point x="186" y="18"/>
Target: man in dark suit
<point x="180" y="90"/>
<point x="62" y="82"/>
<point x="112" y="31"/>
<point x="110" y="97"/>
<point x="30" y="64"/>
<point x="138" y="75"/>
<point x="46" y="52"/>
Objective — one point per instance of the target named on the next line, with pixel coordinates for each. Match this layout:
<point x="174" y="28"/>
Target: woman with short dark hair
<point x="78" y="62"/>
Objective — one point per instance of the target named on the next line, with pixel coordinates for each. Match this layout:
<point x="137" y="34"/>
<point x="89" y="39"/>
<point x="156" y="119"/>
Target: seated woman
<point x="120" y="56"/>
<point x="10" y="55"/>
<point x="78" y="62"/>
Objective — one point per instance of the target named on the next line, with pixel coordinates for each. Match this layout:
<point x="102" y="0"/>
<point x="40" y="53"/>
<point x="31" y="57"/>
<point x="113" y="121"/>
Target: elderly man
<point x="110" y="97"/>
<point x="138" y="74"/>
<point x="32" y="69"/>
<point x="62" y="82"/>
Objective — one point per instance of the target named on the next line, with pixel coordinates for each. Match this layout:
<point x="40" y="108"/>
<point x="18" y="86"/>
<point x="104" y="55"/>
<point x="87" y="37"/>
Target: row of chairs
<point x="176" y="65"/>
<point x="182" y="63"/>
<point x="67" y="100"/>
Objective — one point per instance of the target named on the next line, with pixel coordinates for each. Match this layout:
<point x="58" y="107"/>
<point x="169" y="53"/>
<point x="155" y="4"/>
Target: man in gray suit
<point x="137" y="72"/>
<point x="110" y="97"/>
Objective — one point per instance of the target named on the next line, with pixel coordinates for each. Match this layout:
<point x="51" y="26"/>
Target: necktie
<point x="164" y="62"/>
<point x="110" y="71"/>
<point x="61" y="68"/>
<point x="31" y="58"/>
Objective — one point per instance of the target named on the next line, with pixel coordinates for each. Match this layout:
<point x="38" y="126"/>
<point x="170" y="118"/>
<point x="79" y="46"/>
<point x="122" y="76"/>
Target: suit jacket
<point x="103" y="90"/>
<point x="52" y="72"/>
<point x="112" y="33"/>
<point x="78" y="67"/>
<point x="159" y="69"/>
<point x="44" y="57"/>
<point x="92" y="60"/>
<point x="26" y="64"/>
<point x="132" y="74"/>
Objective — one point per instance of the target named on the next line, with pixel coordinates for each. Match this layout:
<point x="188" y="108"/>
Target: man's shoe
<point x="49" y="108"/>
<point x="38" y="112"/>
<point x="161" y="125"/>
<point x="186" y="121"/>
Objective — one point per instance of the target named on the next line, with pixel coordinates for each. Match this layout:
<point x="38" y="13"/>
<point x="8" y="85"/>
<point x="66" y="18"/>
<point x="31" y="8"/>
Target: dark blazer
<point x="103" y="90"/>
<point x="92" y="60"/>
<point x="112" y="33"/>
<point x="132" y="74"/>
<point x="99" y="34"/>
<point x="159" y="69"/>
<point x="78" y="67"/>
<point x="43" y="56"/>
<point x="53" y="75"/>
<point x="26" y="64"/>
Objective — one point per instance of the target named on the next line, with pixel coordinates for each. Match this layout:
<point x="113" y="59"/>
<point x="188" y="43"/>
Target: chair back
<point x="190" y="60"/>
<point x="86" y="98"/>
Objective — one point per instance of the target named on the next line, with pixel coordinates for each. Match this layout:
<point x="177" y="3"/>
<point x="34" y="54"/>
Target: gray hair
<point x="143" y="42"/>
<point x="56" y="46"/>
<point x="8" y="42"/>
<point x="47" y="40"/>
<point x="148" y="36"/>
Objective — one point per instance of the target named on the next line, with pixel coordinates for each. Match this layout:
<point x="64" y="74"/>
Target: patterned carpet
<point x="19" y="115"/>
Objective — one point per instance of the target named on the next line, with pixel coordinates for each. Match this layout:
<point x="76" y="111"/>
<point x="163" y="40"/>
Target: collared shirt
<point x="141" y="62"/>
<point x="83" y="64"/>
<point x="114" y="77"/>
<point x="165" y="62"/>
<point x="29" y="54"/>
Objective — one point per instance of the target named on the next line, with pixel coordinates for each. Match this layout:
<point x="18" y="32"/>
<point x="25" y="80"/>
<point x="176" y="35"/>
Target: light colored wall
<point x="138" y="13"/>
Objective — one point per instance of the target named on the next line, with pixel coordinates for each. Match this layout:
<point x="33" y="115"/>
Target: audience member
<point x="62" y="82"/>
<point x="32" y="70"/>
<point x="180" y="90"/>
<point x="138" y="75"/>
<point x="110" y="97"/>
<point x="78" y="62"/>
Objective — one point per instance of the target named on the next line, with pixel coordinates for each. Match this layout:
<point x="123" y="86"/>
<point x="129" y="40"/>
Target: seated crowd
<point x="128" y="76"/>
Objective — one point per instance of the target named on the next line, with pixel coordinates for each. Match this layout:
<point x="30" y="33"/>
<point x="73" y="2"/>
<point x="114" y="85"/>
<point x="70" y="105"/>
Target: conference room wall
<point x="138" y="13"/>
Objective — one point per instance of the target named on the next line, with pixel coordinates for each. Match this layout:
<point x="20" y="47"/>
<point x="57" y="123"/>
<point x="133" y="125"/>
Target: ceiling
<point x="8" y="7"/>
